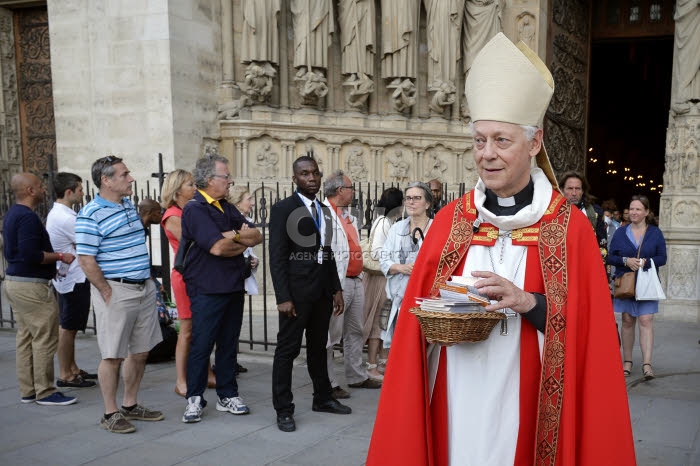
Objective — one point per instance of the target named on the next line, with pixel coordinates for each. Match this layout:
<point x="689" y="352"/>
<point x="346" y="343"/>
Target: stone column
<point x="376" y="173"/>
<point x="679" y="213"/>
<point x="238" y="157"/>
<point x="333" y="157"/>
<point x="244" y="156"/>
<point x="287" y="159"/>
<point x="227" y="50"/>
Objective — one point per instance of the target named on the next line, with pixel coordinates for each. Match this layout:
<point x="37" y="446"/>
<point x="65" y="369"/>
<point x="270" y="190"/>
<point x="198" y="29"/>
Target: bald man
<point x="31" y="266"/>
<point x="150" y="212"/>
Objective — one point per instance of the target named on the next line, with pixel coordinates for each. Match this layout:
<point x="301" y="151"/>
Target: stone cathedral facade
<point x="373" y="87"/>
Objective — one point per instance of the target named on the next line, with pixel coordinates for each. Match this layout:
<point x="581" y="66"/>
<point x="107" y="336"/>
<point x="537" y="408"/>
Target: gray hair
<point x="333" y="183"/>
<point x="528" y="130"/>
<point x="428" y="194"/>
<point x="205" y="169"/>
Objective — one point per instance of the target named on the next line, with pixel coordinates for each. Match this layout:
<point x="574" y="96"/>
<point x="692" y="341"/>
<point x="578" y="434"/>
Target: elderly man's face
<point x="502" y="155"/>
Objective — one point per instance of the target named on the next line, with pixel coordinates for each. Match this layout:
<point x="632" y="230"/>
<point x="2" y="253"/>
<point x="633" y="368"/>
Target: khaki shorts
<point x="129" y="324"/>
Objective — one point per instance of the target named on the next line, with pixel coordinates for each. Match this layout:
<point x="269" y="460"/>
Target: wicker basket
<point x="446" y="327"/>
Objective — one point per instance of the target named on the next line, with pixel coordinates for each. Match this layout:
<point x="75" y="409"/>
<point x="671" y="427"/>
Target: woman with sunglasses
<point x="401" y="248"/>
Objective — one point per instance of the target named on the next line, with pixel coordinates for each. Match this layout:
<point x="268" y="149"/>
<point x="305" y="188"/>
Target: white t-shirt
<point x="60" y="225"/>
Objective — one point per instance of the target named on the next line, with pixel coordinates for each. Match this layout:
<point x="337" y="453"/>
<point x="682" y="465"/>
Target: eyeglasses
<point x="413" y="198"/>
<point x="107" y="162"/>
<point x="226" y="177"/>
<point x="347" y="187"/>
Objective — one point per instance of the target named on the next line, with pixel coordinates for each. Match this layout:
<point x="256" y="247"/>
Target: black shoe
<point x="338" y="393"/>
<point x="77" y="382"/>
<point x="240" y="369"/>
<point x="331" y="406"/>
<point x="286" y="423"/>
<point x="87" y="375"/>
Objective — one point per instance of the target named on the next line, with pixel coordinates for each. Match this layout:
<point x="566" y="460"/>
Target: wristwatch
<point x="624" y="261"/>
<point x="237" y="237"/>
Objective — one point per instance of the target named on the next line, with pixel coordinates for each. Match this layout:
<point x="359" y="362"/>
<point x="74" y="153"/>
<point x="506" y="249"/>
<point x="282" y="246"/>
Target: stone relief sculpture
<point x="686" y="62"/>
<point x="482" y="21"/>
<point x="435" y="167"/>
<point x="399" y="42"/>
<point x="686" y="213"/>
<point x="231" y="110"/>
<point x="399" y="166"/>
<point x="356" y="167"/>
<point x="266" y="161"/>
<point x="444" y="27"/>
<point x="682" y="281"/>
<point x="357" y="39"/>
<point x="313" y="27"/>
<point x="689" y="172"/>
<point x="526" y="29"/>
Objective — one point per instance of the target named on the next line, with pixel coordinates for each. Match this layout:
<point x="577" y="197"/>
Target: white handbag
<point x="648" y="285"/>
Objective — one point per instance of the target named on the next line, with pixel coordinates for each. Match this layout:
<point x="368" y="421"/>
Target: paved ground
<point x="665" y="415"/>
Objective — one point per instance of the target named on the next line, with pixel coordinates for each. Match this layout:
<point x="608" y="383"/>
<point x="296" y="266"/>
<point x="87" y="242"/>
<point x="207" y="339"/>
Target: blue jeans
<point x="216" y="318"/>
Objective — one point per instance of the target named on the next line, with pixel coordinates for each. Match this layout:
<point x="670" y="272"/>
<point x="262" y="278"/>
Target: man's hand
<point x="287" y="308"/>
<point x="338" y="304"/>
<point x="254" y="261"/>
<point x="504" y="291"/>
<point x="106" y="293"/>
<point x="68" y="258"/>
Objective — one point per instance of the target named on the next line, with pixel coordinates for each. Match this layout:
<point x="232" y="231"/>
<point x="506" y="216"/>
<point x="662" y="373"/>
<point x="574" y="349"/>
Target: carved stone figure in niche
<point x="231" y="110"/>
<point x="399" y="166"/>
<point x="435" y="167"/>
<point x="526" y="30"/>
<point x="399" y="39"/>
<point x="266" y="161"/>
<point x="211" y="150"/>
<point x="357" y="170"/>
<point x="258" y="81"/>
<point x="444" y="28"/>
<point x="689" y="173"/>
<point x="404" y="95"/>
<point x="260" y="41"/>
<point x="357" y="37"/>
<point x="482" y="21"/>
<point x="313" y="27"/>
<point x="312" y="86"/>
<point x="686" y="62"/>
<point x="445" y="94"/>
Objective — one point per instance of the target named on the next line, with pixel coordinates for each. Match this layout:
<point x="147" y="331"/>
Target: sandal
<point x="648" y="373"/>
<point x="627" y="372"/>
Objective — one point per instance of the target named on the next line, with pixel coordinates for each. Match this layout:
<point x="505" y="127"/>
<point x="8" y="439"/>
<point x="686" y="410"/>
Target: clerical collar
<point x="509" y="205"/>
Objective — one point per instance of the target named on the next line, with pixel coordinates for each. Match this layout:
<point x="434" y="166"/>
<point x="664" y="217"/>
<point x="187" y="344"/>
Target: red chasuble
<point x="573" y="404"/>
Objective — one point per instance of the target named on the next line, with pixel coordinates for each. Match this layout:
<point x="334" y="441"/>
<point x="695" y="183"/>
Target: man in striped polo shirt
<point x="111" y="247"/>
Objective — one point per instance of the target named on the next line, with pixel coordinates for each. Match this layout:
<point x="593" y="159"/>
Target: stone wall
<point x="10" y="143"/>
<point x="134" y="79"/>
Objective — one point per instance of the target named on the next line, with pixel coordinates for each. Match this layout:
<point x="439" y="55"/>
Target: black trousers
<point x="314" y="318"/>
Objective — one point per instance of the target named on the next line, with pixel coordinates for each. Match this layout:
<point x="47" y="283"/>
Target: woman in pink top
<point x="178" y="189"/>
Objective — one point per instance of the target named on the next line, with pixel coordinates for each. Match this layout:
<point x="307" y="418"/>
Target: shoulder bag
<point x="625" y="284"/>
<point x="370" y="265"/>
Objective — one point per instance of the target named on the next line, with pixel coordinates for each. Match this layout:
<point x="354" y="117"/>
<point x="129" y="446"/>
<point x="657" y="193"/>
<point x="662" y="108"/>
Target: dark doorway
<point x="630" y="94"/>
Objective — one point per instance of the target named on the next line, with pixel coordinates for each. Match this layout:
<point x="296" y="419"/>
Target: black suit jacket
<point x="294" y="246"/>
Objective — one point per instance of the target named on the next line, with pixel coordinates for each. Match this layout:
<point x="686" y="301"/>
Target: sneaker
<point x="57" y="399"/>
<point x="193" y="412"/>
<point x="77" y="382"/>
<point x="117" y="424"/>
<point x="139" y="413"/>
<point x="233" y="405"/>
<point x="29" y="399"/>
<point x="339" y="393"/>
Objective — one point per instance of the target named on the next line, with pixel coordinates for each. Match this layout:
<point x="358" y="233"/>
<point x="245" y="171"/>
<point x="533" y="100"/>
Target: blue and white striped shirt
<point x="114" y="234"/>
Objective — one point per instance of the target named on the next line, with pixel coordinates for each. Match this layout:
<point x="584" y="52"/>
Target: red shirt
<point x="355" y="257"/>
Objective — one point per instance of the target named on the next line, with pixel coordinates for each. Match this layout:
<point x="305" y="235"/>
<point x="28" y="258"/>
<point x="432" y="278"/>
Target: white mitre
<point x="510" y="83"/>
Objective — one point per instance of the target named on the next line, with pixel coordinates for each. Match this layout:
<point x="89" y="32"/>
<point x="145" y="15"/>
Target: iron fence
<point x="261" y="310"/>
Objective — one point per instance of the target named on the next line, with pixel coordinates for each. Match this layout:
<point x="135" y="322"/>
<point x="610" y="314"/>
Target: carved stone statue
<point x="266" y="161"/>
<point x="357" y="170"/>
<point x="398" y="166"/>
<point x="399" y="39"/>
<point x="482" y="21"/>
<point x="359" y="92"/>
<point x="404" y="95"/>
<point x="258" y="81"/>
<point x="231" y="110"/>
<point x="260" y="41"/>
<point x="444" y="28"/>
<point x="436" y="167"/>
<point x="313" y="27"/>
<point x="445" y="94"/>
<point x="526" y="30"/>
<point x="312" y="86"/>
<point x="357" y="37"/>
<point x="686" y="62"/>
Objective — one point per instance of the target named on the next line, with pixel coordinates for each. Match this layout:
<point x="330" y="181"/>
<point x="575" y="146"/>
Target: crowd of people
<point x="527" y="239"/>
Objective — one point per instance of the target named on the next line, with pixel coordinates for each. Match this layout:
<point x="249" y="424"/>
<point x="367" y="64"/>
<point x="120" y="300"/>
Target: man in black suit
<point x="307" y="289"/>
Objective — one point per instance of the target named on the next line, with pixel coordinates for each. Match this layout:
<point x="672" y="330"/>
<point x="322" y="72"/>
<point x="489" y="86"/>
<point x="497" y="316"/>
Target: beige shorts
<point x="129" y="324"/>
